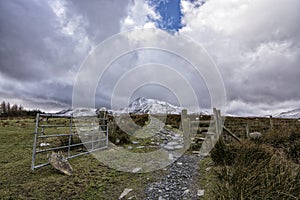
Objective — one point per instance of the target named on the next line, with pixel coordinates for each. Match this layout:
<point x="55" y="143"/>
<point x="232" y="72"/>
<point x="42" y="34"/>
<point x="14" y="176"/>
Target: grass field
<point x="90" y="180"/>
<point x="235" y="171"/>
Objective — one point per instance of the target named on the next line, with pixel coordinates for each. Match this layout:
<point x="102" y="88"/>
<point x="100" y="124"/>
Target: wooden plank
<point x="231" y="134"/>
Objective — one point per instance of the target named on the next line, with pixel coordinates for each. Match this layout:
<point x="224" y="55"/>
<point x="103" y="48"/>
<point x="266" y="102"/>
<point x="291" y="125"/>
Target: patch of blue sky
<point x="170" y="14"/>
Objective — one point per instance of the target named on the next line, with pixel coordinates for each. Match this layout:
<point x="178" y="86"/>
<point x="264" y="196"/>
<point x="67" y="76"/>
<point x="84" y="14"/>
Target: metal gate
<point x="70" y="135"/>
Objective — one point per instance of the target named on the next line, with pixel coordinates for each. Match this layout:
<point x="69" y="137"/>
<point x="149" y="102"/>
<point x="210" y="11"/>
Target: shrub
<point x="116" y="135"/>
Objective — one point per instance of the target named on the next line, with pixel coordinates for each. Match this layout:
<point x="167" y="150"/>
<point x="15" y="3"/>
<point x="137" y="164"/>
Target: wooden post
<point x="271" y="122"/>
<point x="219" y="122"/>
<point x="247" y="130"/>
<point x="185" y="123"/>
<point x="217" y="118"/>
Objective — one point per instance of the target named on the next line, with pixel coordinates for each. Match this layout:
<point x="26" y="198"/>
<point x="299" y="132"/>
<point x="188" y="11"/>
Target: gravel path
<point x="179" y="183"/>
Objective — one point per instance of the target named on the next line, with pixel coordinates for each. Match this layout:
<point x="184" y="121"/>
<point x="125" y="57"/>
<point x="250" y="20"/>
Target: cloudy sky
<point x="254" y="44"/>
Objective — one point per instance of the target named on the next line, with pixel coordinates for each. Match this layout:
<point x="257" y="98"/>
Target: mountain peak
<point x="143" y="105"/>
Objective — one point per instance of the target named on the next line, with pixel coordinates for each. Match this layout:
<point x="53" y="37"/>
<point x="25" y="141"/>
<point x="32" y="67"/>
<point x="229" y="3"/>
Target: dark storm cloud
<point x="43" y="43"/>
<point x="103" y="16"/>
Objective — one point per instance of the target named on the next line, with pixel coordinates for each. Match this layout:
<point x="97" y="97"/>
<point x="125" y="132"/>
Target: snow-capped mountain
<point x="289" y="114"/>
<point x="77" y="112"/>
<point x="139" y="106"/>
<point x="143" y="105"/>
<point x="151" y="106"/>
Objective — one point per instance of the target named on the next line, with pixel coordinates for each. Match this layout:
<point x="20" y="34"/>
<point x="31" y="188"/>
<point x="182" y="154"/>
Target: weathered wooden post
<point x="247" y="130"/>
<point x="271" y="122"/>
<point x="217" y="118"/>
<point x="185" y="122"/>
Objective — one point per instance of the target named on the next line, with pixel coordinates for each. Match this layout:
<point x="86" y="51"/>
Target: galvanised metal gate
<point x="70" y="135"/>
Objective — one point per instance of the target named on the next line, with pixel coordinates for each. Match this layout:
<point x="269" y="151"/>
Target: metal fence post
<point x="70" y="136"/>
<point x="35" y="141"/>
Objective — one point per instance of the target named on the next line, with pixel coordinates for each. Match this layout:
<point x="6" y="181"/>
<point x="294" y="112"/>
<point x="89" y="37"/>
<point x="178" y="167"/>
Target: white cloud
<point x="255" y="45"/>
<point x="139" y="15"/>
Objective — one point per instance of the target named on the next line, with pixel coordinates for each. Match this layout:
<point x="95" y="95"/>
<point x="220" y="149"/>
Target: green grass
<point x="207" y="178"/>
<point x="90" y="179"/>
<point x="262" y="169"/>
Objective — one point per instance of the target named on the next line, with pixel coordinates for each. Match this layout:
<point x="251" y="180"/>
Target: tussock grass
<point x="254" y="171"/>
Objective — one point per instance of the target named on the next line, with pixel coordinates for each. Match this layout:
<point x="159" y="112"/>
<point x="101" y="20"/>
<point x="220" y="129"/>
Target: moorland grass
<point x="253" y="170"/>
<point x="90" y="180"/>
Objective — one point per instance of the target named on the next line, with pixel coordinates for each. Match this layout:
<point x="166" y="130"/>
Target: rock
<point x="172" y="144"/>
<point x="208" y="169"/>
<point x="186" y="191"/>
<point x="255" y="135"/>
<point x="135" y="170"/>
<point x="203" y="155"/>
<point x="169" y="126"/>
<point x="200" y="193"/>
<point x="135" y="142"/>
<point x="171" y="157"/>
<point x="129" y="147"/>
<point x="125" y="192"/>
<point x="59" y="162"/>
<point x="44" y="144"/>
<point x="168" y="147"/>
<point x="178" y="147"/>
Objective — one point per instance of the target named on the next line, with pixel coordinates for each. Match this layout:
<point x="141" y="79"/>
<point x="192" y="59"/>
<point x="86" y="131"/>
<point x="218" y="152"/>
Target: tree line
<point x="7" y="110"/>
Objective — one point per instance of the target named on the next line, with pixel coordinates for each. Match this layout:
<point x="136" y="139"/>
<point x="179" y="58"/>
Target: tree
<point x="14" y="108"/>
<point x="3" y="107"/>
<point x="8" y="107"/>
<point x="20" y="108"/>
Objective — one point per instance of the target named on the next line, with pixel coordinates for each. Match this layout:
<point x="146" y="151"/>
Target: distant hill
<point x="140" y="105"/>
<point x="143" y="105"/>
<point x="77" y="112"/>
<point x="289" y="114"/>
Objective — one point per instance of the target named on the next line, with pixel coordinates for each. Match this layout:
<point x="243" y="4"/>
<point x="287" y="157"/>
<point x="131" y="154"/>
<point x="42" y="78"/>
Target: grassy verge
<point x="207" y="178"/>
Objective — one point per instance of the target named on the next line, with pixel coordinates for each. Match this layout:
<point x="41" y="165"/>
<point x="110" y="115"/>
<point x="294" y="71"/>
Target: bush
<point x="116" y="135"/>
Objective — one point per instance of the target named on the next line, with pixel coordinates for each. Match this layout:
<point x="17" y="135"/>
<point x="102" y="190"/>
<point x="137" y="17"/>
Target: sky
<point x="254" y="44"/>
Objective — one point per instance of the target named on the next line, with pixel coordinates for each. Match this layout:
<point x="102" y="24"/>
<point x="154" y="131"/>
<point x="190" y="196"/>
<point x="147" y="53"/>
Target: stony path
<point x="179" y="182"/>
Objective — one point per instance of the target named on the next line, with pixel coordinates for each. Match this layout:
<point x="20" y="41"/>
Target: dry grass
<point x="254" y="171"/>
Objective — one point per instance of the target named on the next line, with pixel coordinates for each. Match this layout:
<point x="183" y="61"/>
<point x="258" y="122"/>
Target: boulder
<point x="59" y="162"/>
